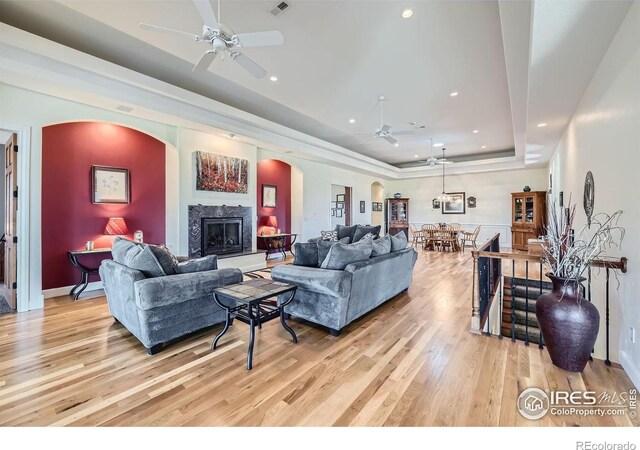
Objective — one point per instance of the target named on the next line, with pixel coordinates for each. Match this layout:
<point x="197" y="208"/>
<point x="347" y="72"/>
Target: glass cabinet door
<point x="528" y="205"/>
<point x="517" y="209"/>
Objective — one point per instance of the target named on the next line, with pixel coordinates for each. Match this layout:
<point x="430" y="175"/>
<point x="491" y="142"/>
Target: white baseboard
<point x="59" y="292"/>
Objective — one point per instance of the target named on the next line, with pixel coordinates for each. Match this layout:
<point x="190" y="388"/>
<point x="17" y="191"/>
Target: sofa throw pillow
<point x="209" y="262"/>
<point x="306" y="254"/>
<point x="166" y="259"/>
<point x="399" y="242"/>
<point x="329" y="235"/>
<point x="346" y="232"/>
<point x="381" y="246"/>
<point x="325" y="246"/>
<point x="363" y="230"/>
<point x="136" y="256"/>
<point x="341" y="255"/>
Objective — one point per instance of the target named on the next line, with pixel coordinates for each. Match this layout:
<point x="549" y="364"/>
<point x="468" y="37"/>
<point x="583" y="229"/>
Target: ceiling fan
<point x="433" y="161"/>
<point x="384" y="131"/>
<point x="223" y="40"/>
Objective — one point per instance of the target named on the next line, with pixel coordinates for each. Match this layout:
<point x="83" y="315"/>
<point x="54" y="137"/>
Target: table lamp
<point x="116" y="226"/>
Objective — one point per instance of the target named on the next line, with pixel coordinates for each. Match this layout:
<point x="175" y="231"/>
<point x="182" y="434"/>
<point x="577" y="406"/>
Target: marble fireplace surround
<point x="198" y="212"/>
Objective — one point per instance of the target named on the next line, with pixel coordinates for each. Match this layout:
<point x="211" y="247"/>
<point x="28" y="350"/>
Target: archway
<point x="377" y="196"/>
<point x="286" y="213"/>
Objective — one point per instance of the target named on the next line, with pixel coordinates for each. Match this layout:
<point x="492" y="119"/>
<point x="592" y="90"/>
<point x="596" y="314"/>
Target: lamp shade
<point x="116" y="226"/>
<point x="272" y="221"/>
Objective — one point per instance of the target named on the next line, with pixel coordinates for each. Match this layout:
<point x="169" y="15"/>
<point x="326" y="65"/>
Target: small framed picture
<point x="340" y="198"/>
<point x="435" y="203"/>
<point x="340" y="205"/>
<point x="333" y="212"/>
<point x="379" y="206"/>
<point x="269" y="196"/>
<point x="110" y="184"/>
<point x="338" y="213"/>
<point x="333" y="205"/>
<point x="362" y="206"/>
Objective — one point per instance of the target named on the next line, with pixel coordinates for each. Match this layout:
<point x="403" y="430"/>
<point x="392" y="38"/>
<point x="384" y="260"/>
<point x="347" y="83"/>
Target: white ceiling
<point x="340" y="56"/>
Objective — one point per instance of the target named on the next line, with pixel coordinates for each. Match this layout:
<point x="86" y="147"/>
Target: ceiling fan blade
<point x="206" y="13"/>
<point x="389" y="139"/>
<point x="403" y="133"/>
<point x="205" y="61"/>
<point x="260" y="39"/>
<point x="149" y="27"/>
<point x="249" y="65"/>
<point x="385" y="128"/>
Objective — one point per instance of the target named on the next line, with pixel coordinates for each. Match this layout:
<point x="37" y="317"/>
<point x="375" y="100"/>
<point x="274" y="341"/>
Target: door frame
<point x="23" y="219"/>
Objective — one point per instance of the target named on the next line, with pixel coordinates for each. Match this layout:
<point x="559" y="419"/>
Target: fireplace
<point x="221" y="235"/>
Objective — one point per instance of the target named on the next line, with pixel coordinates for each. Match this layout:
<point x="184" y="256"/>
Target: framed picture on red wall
<point x="269" y="196"/>
<point x="109" y="184"/>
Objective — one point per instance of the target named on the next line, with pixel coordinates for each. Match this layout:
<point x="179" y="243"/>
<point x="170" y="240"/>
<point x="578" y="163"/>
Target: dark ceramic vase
<point x="569" y="324"/>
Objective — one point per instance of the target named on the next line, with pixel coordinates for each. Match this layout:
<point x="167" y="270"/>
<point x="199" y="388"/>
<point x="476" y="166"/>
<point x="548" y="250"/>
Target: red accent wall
<point x="278" y="173"/>
<point x="69" y="219"/>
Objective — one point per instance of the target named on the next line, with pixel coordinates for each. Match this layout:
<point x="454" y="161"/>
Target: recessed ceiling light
<point x="476" y="131"/>
<point x="484" y="146"/>
<point x="438" y="144"/>
<point x="407" y="13"/>
<point x="352" y="120"/>
<point x="396" y="145"/>
<point x="454" y="94"/>
<point x="415" y="156"/>
<point x="543" y="124"/>
<point x="273" y="78"/>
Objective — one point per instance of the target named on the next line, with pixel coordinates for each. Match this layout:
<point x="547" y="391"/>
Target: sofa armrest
<point x="173" y="289"/>
<point x="336" y="283"/>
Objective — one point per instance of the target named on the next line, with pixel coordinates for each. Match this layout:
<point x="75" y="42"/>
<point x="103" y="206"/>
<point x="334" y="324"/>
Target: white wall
<point x="316" y="192"/>
<point x="377" y="195"/>
<point x="190" y="141"/>
<point x="604" y="137"/>
<point x="492" y="191"/>
<point x="29" y="109"/>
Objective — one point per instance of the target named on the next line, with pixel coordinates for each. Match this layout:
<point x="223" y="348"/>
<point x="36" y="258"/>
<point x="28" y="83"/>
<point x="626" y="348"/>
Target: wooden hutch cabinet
<point x="529" y="217"/>
<point x="398" y="216"/>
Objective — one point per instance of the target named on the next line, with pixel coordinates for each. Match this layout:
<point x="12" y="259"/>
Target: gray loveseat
<point x="157" y="307"/>
<point x="335" y="298"/>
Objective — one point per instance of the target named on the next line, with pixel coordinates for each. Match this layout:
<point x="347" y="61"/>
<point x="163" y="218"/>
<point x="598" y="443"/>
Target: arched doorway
<point x="377" y="196"/>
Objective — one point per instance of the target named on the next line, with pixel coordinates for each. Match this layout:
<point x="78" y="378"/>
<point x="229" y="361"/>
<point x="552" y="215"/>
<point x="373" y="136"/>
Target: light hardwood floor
<point x="411" y="362"/>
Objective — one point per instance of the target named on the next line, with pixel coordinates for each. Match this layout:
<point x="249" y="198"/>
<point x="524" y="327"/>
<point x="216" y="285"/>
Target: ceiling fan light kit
<point x="223" y="40"/>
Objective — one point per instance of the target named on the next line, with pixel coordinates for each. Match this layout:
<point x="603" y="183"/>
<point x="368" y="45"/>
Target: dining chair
<point x="429" y="236"/>
<point x="447" y="238"/>
<point x="469" y="237"/>
<point x="456" y="226"/>
<point x="416" y="234"/>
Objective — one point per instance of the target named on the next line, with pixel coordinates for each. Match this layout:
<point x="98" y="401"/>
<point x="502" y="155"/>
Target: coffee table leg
<point x="252" y="336"/>
<point x="294" y="338"/>
<point x="227" y="320"/>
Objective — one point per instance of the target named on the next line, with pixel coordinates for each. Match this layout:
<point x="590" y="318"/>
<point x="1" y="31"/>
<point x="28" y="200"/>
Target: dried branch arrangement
<point x="569" y="255"/>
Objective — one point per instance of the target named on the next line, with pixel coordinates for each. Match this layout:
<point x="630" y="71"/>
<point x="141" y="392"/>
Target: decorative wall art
<point x="471" y="202"/>
<point x="454" y="204"/>
<point x="340" y="205"/>
<point x="110" y="184"/>
<point x="589" y="197"/>
<point x="339" y="212"/>
<point x="435" y="203"/>
<point x="269" y="196"/>
<point x="219" y="173"/>
<point x="340" y="198"/>
<point x="362" y="206"/>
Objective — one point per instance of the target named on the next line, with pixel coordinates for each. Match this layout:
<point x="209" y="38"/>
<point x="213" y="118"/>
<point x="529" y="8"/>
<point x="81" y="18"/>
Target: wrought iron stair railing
<point x="511" y="299"/>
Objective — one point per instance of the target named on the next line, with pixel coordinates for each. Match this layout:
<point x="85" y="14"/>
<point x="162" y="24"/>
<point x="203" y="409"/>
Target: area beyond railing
<point x="491" y="289"/>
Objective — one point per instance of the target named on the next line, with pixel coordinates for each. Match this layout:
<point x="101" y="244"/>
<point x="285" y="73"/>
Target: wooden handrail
<point x="620" y="264"/>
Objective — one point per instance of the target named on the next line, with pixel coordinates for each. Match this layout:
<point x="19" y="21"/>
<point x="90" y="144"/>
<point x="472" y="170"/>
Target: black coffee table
<point x="253" y="307"/>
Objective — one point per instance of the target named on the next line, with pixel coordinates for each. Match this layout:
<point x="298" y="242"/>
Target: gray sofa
<point x="160" y="308"/>
<point x="335" y="298"/>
